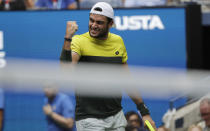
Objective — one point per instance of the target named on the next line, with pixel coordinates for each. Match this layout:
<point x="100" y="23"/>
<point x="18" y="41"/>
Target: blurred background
<point x="166" y="34"/>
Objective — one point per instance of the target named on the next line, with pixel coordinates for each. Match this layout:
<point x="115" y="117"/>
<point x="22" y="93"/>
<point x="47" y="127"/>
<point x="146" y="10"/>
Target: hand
<point x="47" y="110"/>
<point x="147" y="117"/>
<point x="71" y="28"/>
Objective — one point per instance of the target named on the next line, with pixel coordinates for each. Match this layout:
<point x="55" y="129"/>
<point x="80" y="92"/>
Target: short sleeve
<point x="1" y="99"/>
<point x="68" y="108"/>
<point x="75" y="45"/>
<point x="124" y="55"/>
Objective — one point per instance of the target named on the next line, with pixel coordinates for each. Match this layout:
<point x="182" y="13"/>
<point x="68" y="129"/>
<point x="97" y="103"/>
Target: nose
<point x="94" y="25"/>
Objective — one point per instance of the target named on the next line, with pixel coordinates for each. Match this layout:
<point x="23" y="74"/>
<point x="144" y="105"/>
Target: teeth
<point x="95" y="29"/>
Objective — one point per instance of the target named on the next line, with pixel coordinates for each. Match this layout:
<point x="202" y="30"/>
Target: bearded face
<point x="99" y="26"/>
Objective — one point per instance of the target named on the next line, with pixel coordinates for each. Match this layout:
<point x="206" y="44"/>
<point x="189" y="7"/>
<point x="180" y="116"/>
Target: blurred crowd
<point x="86" y="4"/>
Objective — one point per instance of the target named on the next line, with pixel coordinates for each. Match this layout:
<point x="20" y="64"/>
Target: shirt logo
<point x="117" y="52"/>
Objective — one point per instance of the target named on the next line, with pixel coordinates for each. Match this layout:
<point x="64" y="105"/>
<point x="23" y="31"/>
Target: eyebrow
<point x="95" y="20"/>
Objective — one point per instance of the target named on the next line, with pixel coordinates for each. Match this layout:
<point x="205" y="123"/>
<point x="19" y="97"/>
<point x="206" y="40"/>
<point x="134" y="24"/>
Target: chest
<point x="57" y="107"/>
<point x="102" y="49"/>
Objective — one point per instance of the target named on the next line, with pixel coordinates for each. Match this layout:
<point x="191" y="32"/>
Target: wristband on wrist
<point x="67" y="39"/>
<point x="66" y="55"/>
<point x="143" y="109"/>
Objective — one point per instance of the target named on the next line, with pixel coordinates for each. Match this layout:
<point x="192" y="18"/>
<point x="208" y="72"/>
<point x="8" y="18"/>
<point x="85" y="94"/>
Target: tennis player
<point x="98" y="45"/>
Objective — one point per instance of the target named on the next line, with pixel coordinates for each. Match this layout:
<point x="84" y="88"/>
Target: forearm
<point x="62" y="121"/>
<point x="140" y="104"/>
<point x="136" y="98"/>
<point x="142" y="109"/>
<point x="66" y="52"/>
<point x="71" y="28"/>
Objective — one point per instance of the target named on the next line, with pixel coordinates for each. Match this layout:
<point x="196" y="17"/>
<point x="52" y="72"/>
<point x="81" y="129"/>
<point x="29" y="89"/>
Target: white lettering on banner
<point x="138" y="22"/>
<point x="2" y="63"/>
<point x="2" y="53"/>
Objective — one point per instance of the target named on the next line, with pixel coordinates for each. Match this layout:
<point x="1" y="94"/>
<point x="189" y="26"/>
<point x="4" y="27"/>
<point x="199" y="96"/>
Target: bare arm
<point x="75" y="57"/>
<point x="1" y="119"/>
<point x="62" y="121"/>
<point x="65" y="122"/>
<point x="137" y="99"/>
<point x="71" y="28"/>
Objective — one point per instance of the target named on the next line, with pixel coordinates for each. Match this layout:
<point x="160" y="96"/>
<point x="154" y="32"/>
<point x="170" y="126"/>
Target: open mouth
<point x="94" y="31"/>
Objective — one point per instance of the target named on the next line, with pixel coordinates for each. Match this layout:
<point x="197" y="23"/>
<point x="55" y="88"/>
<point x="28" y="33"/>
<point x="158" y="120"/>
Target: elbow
<point x="69" y="124"/>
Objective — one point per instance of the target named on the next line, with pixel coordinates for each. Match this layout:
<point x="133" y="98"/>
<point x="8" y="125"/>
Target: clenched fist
<point x="71" y="28"/>
<point x="47" y="109"/>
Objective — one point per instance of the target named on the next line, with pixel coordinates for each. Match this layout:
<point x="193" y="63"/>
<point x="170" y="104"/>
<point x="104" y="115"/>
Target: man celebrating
<point x="99" y="46"/>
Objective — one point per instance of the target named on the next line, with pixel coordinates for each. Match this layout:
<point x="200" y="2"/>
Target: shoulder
<point x="116" y="37"/>
<point x="118" y="40"/>
<point x="84" y="35"/>
<point x="65" y="100"/>
<point x="62" y="95"/>
<point x="80" y="38"/>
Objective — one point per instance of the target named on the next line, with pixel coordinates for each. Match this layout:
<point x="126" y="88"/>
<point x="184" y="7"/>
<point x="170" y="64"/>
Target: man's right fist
<point x="71" y="28"/>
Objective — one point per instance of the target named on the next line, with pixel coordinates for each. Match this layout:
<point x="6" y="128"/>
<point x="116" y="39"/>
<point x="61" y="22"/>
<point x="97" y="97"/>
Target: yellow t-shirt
<point x="111" y="50"/>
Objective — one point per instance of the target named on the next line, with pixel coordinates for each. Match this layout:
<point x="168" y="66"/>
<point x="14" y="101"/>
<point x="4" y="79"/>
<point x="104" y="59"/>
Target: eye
<point x="100" y="22"/>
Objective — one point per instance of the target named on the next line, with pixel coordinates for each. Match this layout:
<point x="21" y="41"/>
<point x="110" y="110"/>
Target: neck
<point x="102" y="38"/>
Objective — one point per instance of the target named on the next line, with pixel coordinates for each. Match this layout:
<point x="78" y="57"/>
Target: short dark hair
<point x="109" y="20"/>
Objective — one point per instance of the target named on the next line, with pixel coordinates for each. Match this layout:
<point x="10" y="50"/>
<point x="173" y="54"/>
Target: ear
<point x="111" y="24"/>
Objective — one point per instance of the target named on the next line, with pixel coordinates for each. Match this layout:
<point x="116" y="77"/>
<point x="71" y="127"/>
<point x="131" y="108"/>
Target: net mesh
<point x="161" y="88"/>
